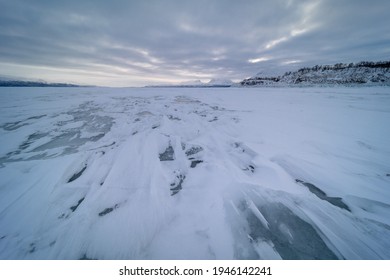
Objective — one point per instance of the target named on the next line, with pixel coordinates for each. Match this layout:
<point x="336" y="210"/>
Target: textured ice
<point x="211" y="173"/>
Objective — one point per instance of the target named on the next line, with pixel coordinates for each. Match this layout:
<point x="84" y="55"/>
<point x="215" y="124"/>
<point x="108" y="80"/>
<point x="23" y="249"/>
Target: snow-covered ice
<point x="195" y="173"/>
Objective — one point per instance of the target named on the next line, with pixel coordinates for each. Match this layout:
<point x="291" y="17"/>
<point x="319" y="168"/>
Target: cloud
<point x="257" y="60"/>
<point x="141" y="42"/>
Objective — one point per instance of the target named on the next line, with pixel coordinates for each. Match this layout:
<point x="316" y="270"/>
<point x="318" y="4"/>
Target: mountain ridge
<point x="361" y="73"/>
<point x="21" y="83"/>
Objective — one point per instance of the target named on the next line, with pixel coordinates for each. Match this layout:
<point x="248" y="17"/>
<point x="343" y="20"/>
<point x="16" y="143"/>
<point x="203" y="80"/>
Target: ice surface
<point x="195" y="173"/>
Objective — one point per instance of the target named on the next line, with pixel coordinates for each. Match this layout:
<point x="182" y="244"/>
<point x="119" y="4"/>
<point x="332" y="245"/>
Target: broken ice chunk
<point x="194" y="163"/>
<point x="77" y="175"/>
<point x="108" y="210"/>
<point x="193" y="150"/>
<point x="169" y="154"/>
<point x="73" y="208"/>
<point x="336" y="201"/>
<point x="177" y="186"/>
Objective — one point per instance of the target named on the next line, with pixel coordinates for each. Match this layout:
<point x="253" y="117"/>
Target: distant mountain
<point x="198" y="84"/>
<point x="362" y="73"/>
<point x="18" y="83"/>
<point x="220" y="83"/>
<point x="190" y="83"/>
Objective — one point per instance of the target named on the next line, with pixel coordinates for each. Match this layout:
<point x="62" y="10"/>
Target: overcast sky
<point x="140" y="42"/>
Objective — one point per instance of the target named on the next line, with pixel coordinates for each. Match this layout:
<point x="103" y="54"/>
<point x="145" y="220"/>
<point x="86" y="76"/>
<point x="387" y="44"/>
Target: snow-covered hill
<point x="194" y="173"/>
<point x="363" y="73"/>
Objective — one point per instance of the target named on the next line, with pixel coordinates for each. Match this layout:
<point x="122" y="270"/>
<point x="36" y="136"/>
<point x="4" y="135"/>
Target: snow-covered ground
<point x="211" y="173"/>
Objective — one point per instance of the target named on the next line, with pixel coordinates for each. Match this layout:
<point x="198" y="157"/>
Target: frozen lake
<point x="212" y="173"/>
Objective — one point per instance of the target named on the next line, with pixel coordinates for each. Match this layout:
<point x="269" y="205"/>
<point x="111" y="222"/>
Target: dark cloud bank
<point x="133" y="43"/>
